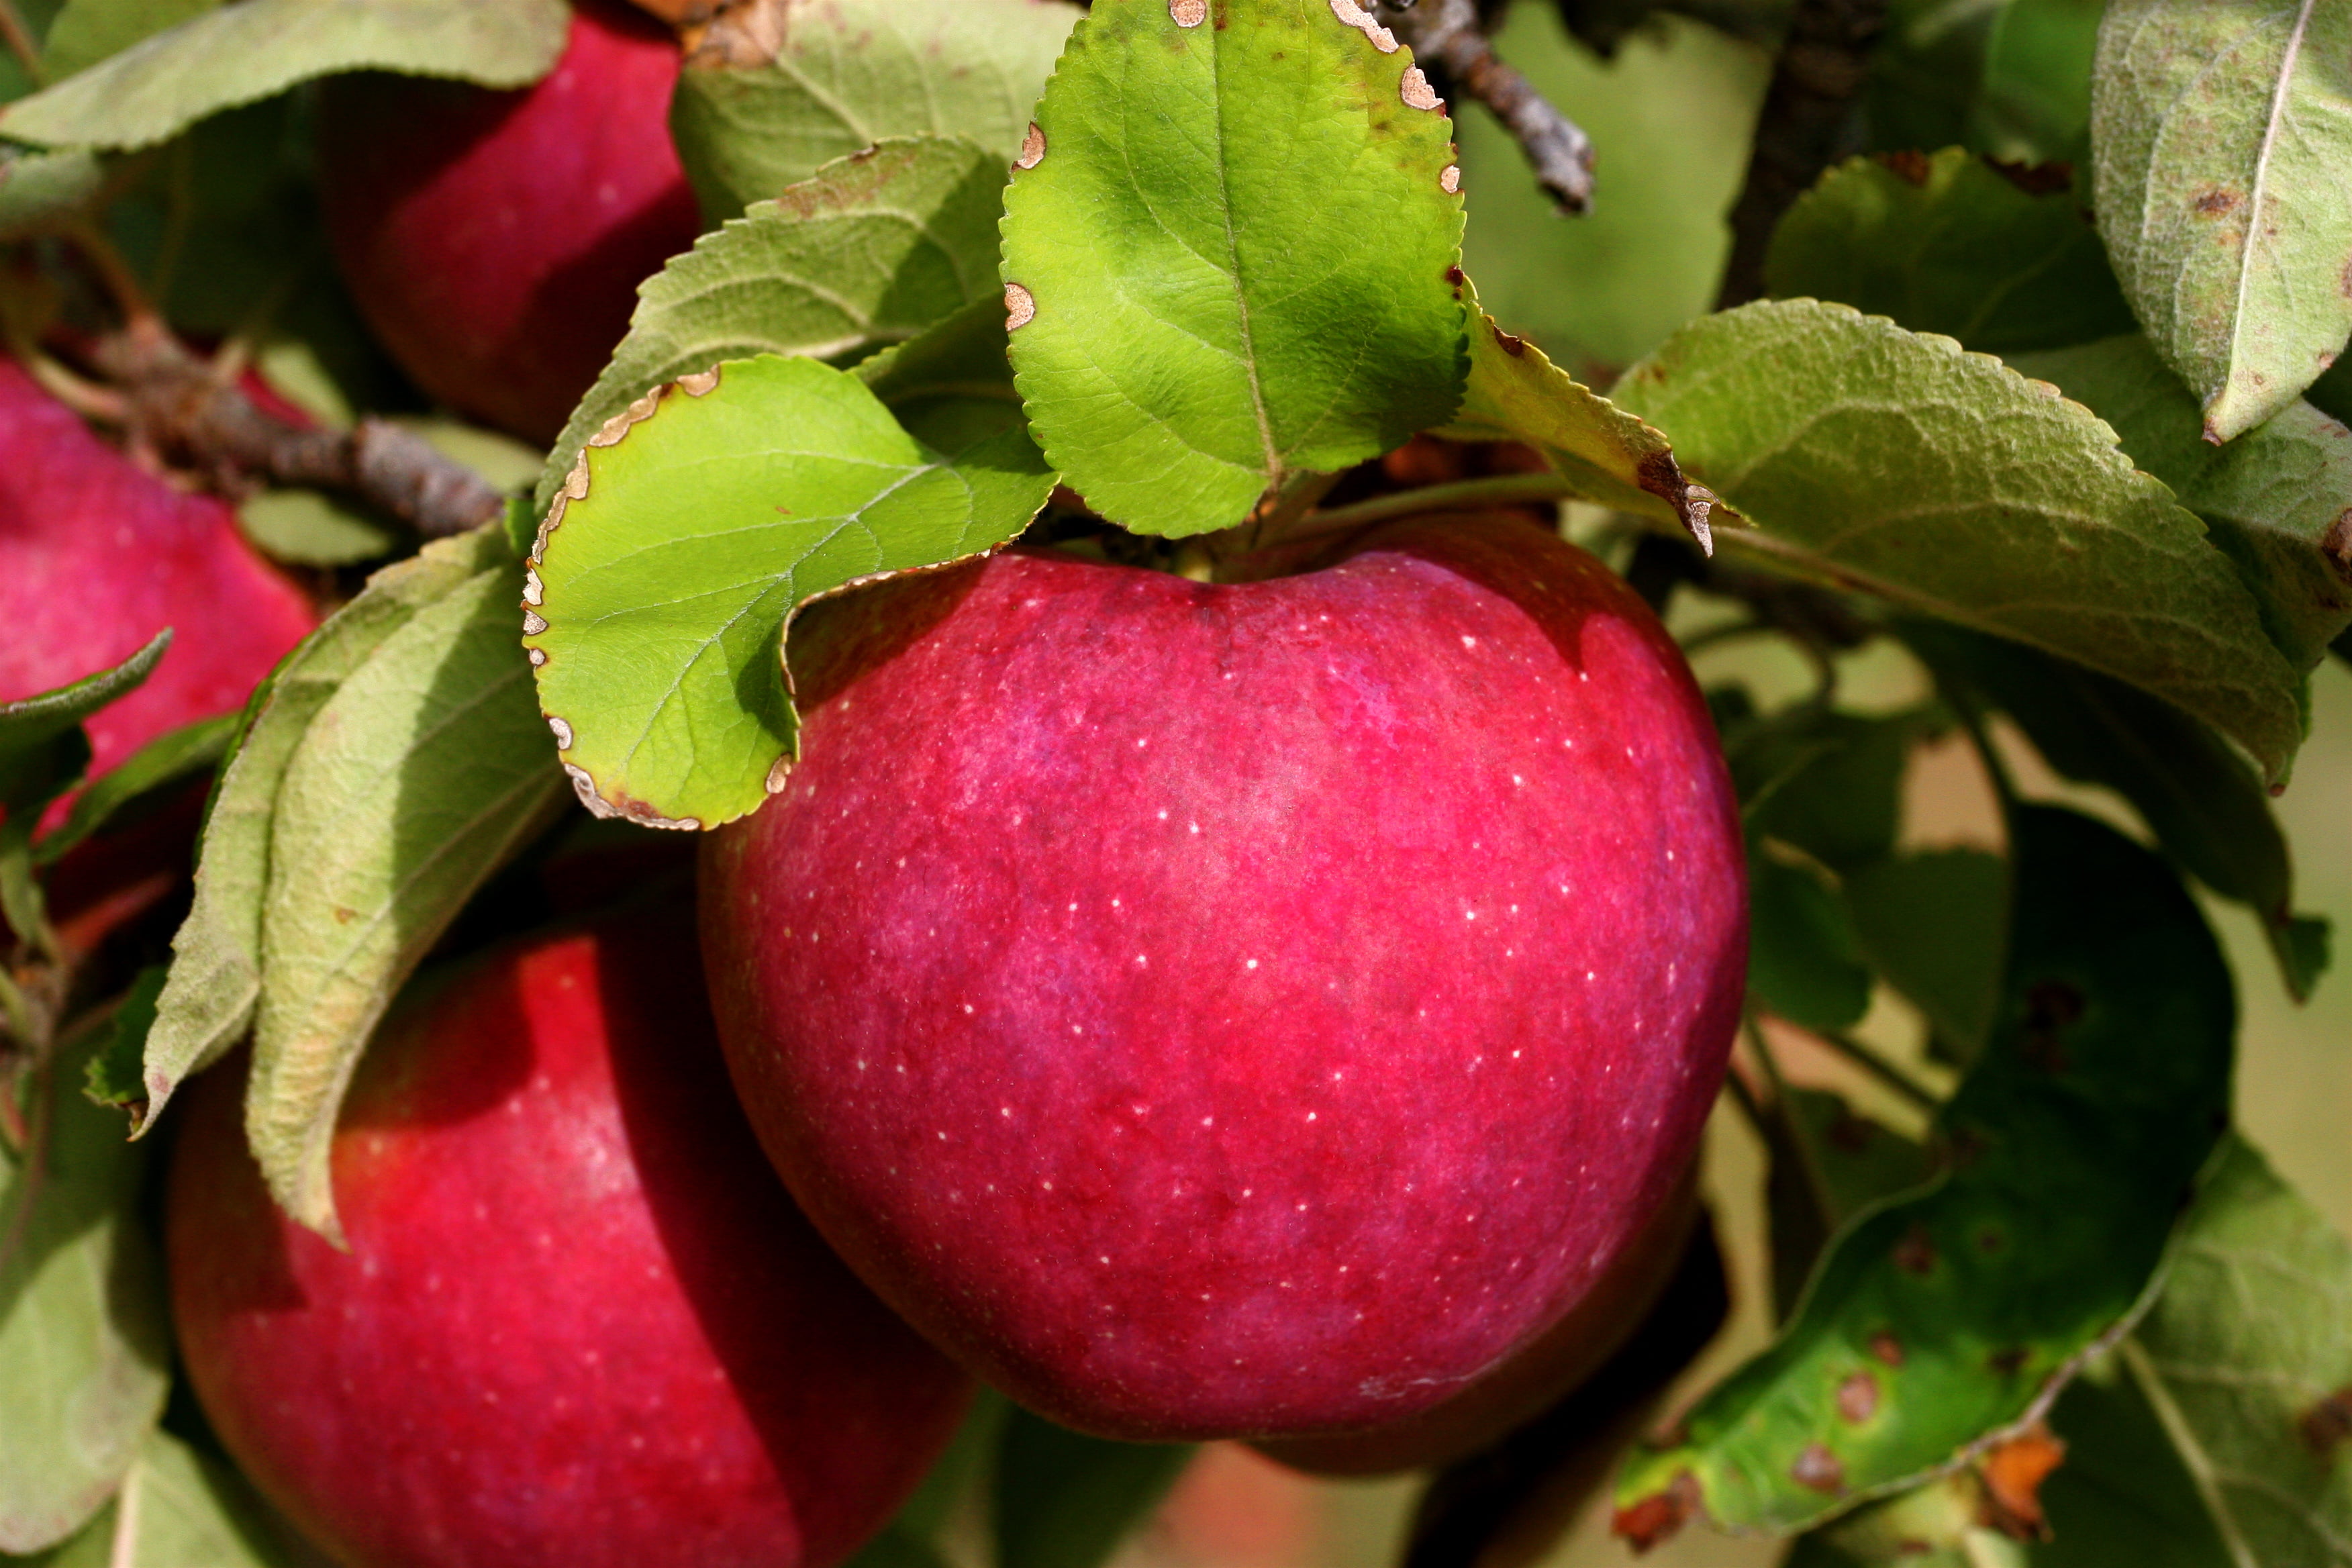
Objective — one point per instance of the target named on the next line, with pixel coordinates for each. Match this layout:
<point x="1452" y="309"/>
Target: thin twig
<point x="1499" y="490"/>
<point x="1447" y="34"/>
<point x="1823" y="65"/>
<point x="19" y="39"/>
<point x="1873" y="1063"/>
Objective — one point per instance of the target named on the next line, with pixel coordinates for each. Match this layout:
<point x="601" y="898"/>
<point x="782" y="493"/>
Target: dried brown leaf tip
<point x="1652" y="1519"/>
<point x="1020" y="307"/>
<point x="2013" y="1471"/>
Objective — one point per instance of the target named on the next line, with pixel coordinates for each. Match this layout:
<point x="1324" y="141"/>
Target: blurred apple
<point x="1244" y="1010"/>
<point x="495" y="240"/>
<point x="580" y="1323"/>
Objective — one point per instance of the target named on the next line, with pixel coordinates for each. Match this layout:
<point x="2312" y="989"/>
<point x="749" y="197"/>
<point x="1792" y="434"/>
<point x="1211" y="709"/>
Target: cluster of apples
<point x="1282" y="1011"/>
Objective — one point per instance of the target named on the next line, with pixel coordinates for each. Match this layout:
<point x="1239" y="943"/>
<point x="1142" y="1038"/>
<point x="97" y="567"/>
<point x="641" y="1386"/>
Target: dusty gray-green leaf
<point x="868" y="253"/>
<point x="2207" y="808"/>
<point x="2221" y="140"/>
<point x="88" y="31"/>
<point x="1946" y="1315"/>
<point x="2278" y="498"/>
<point x="171" y="758"/>
<point x="1949" y="244"/>
<point x="2246" y="1363"/>
<point x="419" y="777"/>
<point x="245" y="52"/>
<point x="1516" y="393"/>
<point x="40" y="190"/>
<point x="1892" y="461"/>
<point x="180" y="1508"/>
<point x="114" y="1075"/>
<point x="953" y="386"/>
<point x="311" y="528"/>
<point x="1828" y="1165"/>
<point x="216" y="976"/>
<point x="856" y="72"/>
<point x="1247" y="282"/>
<point x="84" y="1351"/>
<point x="687" y="538"/>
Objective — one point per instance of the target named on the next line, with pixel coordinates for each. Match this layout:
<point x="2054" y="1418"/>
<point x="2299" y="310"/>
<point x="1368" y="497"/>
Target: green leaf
<point x="871" y="251"/>
<point x="171" y="758"/>
<point x="1891" y="461"/>
<point x="1803" y="957"/>
<point x="40" y="190"/>
<point x="1516" y="393"/>
<point x="2222" y="134"/>
<point x="1935" y="926"/>
<point x="1247" y="282"/>
<point x="953" y="386"/>
<point x="1942" y="1318"/>
<point x="311" y="528"/>
<point x="2278" y="499"/>
<point x="686" y="540"/>
<point x="1829" y="782"/>
<point x="2123" y="1499"/>
<point x="1065" y="1499"/>
<point x="216" y="976"/>
<point x="854" y="73"/>
<point x="32" y="721"/>
<point x="1928" y="72"/>
<point x="2246" y="1363"/>
<point x="2206" y="807"/>
<point x="243" y="53"/>
<point x="114" y="1075"/>
<point x="180" y="1508"/>
<point x="1950" y="244"/>
<point x="420" y="776"/>
<point x="88" y="31"/>
<point x="2034" y="105"/>
<point x="84" y="1349"/>
<point x="1828" y="1165"/>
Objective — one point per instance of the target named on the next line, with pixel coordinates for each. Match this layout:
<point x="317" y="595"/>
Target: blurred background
<point x="1669" y="117"/>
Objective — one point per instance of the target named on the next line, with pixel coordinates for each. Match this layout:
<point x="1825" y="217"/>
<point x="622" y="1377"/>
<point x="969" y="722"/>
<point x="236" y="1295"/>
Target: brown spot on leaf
<point x="2343" y="287"/>
<point x="1910" y="167"/>
<point x="2326" y="1426"/>
<point x="1456" y="276"/>
<point x="1990" y="1240"/>
<point x="2008" y="1363"/>
<point x="2052" y="1007"/>
<point x="1515" y="347"/>
<point x="1857" y="1397"/>
<point x="1818" y="1469"/>
<point x="1187" y="12"/>
<point x="345" y="915"/>
<point x="2215" y="203"/>
<point x="2013" y="1471"/>
<point x="1654" y="1518"/>
<point x="1886" y="1348"/>
<point x="2337" y="545"/>
<point x="1916" y="1253"/>
<point x="2034" y="179"/>
<point x="1033" y="148"/>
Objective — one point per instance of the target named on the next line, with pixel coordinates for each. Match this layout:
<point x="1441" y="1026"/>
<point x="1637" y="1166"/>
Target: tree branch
<point x="1446" y="34"/>
<point x="1824" y="63"/>
<point x="178" y="401"/>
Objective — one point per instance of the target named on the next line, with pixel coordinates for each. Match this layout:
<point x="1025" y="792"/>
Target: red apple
<point x="97" y="556"/>
<point x="495" y="240"/>
<point x="580" y="1323"/>
<point x="1246" y="1010"/>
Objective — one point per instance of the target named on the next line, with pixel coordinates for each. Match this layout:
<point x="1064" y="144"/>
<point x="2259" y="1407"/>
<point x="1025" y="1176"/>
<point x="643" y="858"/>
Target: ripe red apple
<point x="495" y="240"/>
<point x="1237" y="1010"/>
<point x="97" y="556"/>
<point x="580" y="1324"/>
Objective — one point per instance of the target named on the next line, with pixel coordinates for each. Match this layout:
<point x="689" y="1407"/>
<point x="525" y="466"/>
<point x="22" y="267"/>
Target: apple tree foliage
<point x="1163" y="280"/>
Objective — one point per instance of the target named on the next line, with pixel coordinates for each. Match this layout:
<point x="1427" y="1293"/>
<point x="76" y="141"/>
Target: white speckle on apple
<point x="1249" y="964"/>
<point x="1469" y="642"/>
<point x="967" y="1006"/>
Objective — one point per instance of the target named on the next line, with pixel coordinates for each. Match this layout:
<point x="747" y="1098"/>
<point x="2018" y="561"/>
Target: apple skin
<point x="495" y="240"/>
<point x="581" y="1324"/>
<point x="1237" y="1010"/>
<point x="97" y="556"/>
